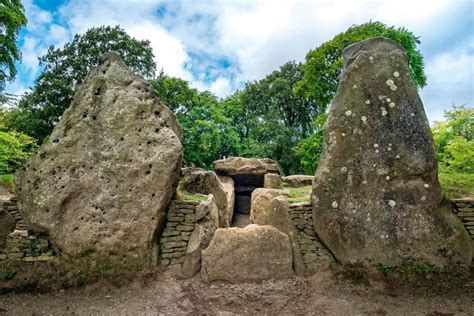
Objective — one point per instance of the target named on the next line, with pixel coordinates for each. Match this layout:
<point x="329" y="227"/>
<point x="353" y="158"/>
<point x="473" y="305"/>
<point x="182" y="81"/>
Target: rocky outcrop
<point x="206" y="182"/>
<point x="297" y="181"/>
<point x="376" y="197"/>
<point x="250" y="254"/>
<point x="101" y="184"/>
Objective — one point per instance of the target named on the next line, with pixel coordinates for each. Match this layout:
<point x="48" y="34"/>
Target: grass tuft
<point x="9" y="181"/>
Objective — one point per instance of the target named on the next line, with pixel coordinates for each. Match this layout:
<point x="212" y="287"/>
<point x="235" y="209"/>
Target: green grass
<point x="186" y="196"/>
<point x="410" y="268"/>
<point x="183" y="195"/>
<point x="8" y="181"/>
<point x="455" y="184"/>
<point x="298" y="195"/>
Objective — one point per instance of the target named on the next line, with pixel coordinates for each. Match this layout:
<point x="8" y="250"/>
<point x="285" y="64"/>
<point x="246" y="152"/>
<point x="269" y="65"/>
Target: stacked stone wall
<point x="311" y="247"/>
<point x="464" y="209"/>
<point x="22" y="244"/>
<point x="181" y="221"/>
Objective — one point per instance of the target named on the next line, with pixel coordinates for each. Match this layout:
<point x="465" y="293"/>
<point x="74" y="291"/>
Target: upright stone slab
<point x="376" y="196"/>
<point x="100" y="186"/>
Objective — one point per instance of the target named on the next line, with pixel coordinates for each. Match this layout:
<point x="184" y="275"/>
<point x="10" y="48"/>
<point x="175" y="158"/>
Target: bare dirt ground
<point x="325" y="293"/>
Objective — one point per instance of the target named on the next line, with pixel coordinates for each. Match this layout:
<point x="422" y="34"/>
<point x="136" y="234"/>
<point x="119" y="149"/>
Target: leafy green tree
<point x="271" y="117"/>
<point x="65" y="68"/>
<point x="309" y="150"/>
<point x="15" y="149"/>
<point x="207" y="133"/>
<point x="324" y="65"/>
<point x="454" y="142"/>
<point x="12" y="18"/>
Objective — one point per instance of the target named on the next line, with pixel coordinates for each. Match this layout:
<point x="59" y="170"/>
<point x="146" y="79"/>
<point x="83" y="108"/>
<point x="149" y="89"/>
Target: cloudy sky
<point x="218" y="45"/>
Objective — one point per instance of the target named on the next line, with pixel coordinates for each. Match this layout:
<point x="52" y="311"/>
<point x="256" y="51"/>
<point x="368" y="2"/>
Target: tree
<point x="15" y="149"/>
<point x="207" y="133"/>
<point x="65" y="68"/>
<point x="454" y="142"/>
<point x="324" y="65"/>
<point x="270" y="117"/>
<point x="12" y="18"/>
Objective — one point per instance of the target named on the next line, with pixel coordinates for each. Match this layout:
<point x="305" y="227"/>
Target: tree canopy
<point x="12" y="18"/>
<point x="65" y="68"/>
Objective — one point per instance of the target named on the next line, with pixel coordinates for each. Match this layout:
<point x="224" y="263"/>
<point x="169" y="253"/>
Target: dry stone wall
<point x="181" y="221"/>
<point x="22" y="244"/>
<point x="310" y="245"/>
<point x="464" y="209"/>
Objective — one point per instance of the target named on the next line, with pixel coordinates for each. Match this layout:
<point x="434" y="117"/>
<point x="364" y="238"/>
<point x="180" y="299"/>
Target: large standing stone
<point x="376" y="197"/>
<point x="101" y="184"/>
<point x="247" y="254"/>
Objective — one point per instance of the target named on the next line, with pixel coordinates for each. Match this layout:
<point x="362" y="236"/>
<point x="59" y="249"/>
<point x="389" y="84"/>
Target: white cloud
<point x="451" y="81"/>
<point x="190" y="39"/>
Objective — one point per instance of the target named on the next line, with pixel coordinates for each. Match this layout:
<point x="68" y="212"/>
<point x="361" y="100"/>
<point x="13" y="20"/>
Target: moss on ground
<point x="299" y="195"/>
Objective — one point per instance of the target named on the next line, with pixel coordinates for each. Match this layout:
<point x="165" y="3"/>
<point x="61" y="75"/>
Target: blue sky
<point x="219" y="45"/>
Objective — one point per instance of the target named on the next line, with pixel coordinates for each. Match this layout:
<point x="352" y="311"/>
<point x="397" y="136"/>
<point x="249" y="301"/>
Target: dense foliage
<point x="65" y="68"/>
<point x="454" y="141"/>
<point x="12" y="18"/>
<point x="206" y="130"/>
<point x="15" y="149"/>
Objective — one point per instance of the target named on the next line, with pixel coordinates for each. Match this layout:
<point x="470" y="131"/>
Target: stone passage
<point x="464" y="209"/>
<point x="248" y="174"/>
<point x="311" y="247"/>
<point x="181" y="220"/>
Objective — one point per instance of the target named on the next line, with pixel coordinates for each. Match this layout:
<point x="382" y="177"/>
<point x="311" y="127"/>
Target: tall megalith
<point x="376" y="196"/>
<point x="100" y="186"/>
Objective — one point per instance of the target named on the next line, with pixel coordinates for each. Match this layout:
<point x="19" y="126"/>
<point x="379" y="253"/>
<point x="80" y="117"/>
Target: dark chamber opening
<point x="244" y="185"/>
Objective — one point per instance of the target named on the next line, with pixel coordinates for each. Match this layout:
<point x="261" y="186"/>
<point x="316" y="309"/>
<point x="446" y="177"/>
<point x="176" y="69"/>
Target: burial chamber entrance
<point x="244" y="185"/>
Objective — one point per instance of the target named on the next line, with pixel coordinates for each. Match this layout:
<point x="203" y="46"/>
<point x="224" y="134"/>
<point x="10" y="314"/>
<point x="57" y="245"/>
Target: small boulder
<point x="7" y="225"/>
<point x="253" y="253"/>
<point x="271" y="207"/>
<point x="297" y="181"/>
<point x="246" y="170"/>
<point x="271" y="181"/>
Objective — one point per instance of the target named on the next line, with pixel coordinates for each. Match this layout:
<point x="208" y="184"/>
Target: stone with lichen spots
<point x="407" y="217"/>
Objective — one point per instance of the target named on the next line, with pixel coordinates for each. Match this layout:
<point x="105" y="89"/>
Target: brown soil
<point x="328" y="292"/>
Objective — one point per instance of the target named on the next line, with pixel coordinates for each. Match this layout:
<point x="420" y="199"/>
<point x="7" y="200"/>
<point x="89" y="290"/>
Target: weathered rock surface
<point x="101" y="185"/>
<point x="251" y="168"/>
<point x="228" y="185"/>
<point x="271" y="181"/>
<point x="250" y="254"/>
<point x="376" y="197"/>
<point x="297" y="181"/>
<point x="7" y="225"/>
<point x="206" y="182"/>
<point x="271" y="207"/>
<point x="200" y="239"/>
